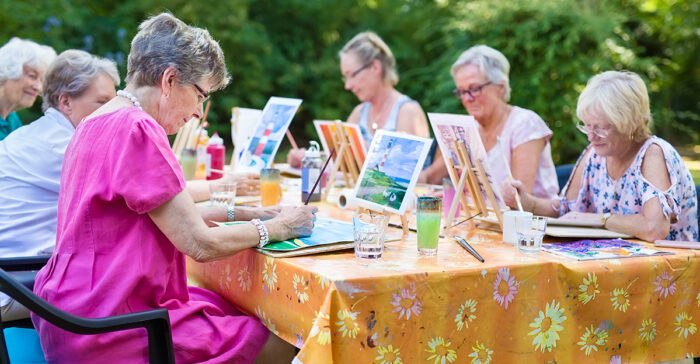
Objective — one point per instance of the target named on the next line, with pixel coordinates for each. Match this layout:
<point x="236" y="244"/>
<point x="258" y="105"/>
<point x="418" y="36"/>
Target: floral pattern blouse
<point x="627" y="195"/>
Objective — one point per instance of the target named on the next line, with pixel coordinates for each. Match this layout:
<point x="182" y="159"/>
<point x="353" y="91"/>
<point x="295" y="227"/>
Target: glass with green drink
<point x="428" y="215"/>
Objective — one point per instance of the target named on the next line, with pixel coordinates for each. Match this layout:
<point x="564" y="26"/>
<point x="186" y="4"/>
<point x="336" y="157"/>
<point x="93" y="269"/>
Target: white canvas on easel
<point x="460" y="144"/>
<point x="260" y="150"/>
<point x="243" y="124"/>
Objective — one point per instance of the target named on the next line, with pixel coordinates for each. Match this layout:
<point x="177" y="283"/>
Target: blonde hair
<point x="367" y="46"/>
<point x="72" y="73"/>
<point x="491" y="63"/>
<point x="163" y="41"/>
<point x="621" y="97"/>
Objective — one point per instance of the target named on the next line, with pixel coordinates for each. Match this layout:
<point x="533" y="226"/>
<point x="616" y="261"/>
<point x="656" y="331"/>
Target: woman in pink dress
<point x="125" y="224"/>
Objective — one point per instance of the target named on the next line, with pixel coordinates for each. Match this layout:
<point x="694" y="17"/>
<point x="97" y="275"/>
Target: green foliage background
<point x="289" y="48"/>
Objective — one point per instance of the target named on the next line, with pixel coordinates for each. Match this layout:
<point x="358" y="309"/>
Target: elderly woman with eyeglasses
<point x="481" y="76"/>
<point x="22" y="67"/>
<point x="369" y="71"/>
<point x="627" y="180"/>
<point x="125" y="222"/>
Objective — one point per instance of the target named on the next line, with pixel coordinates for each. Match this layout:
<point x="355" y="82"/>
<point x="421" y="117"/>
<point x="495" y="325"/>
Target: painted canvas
<point x="449" y="128"/>
<point x="326" y="129"/>
<point x="390" y="171"/>
<point x="268" y="135"/>
<point x="601" y="249"/>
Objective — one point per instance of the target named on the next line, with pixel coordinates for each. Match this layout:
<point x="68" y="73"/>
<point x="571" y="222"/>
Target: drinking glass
<point x="222" y="194"/>
<point x="428" y="221"/>
<point x="530" y="235"/>
<point x="270" y="189"/>
<point x="188" y="163"/>
<point x="369" y="230"/>
<point x="448" y="195"/>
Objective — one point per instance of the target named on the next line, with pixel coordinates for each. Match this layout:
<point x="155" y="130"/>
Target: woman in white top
<point x="76" y="84"/>
<point x="369" y="71"/>
<point x="481" y="76"/>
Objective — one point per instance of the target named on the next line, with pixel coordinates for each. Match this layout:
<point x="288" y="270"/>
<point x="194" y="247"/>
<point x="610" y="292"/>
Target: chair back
<point x="563" y="173"/>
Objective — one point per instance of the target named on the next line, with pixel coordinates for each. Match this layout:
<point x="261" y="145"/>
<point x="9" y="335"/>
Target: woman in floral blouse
<point x="629" y="180"/>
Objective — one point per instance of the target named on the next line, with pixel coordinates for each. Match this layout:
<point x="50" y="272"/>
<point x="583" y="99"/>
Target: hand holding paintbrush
<point x="510" y="175"/>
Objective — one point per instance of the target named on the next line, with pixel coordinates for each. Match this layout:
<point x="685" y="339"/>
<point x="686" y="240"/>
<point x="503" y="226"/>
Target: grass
<point x="691" y="157"/>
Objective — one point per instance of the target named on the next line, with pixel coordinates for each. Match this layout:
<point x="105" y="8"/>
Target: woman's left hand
<point x="248" y="184"/>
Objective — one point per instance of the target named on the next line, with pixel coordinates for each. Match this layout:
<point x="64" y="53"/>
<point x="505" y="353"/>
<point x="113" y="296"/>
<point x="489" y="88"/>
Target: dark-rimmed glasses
<point x="357" y="71"/>
<point x="599" y="132"/>
<point x="473" y="92"/>
<point x="201" y="96"/>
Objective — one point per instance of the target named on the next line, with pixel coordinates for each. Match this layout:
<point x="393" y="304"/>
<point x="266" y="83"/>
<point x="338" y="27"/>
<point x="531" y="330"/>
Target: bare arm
<point x="650" y="224"/>
<point x="524" y="162"/>
<point x="180" y="222"/>
<point x="248" y="184"/>
<point x="411" y="120"/>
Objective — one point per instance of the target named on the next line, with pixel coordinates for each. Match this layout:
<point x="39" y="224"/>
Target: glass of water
<point x="530" y="235"/>
<point x="222" y="194"/>
<point x="369" y="230"/>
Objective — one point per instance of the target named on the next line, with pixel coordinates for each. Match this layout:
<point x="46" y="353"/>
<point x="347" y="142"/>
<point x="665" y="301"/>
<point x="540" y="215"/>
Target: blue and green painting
<point x="325" y="232"/>
<point x="389" y="167"/>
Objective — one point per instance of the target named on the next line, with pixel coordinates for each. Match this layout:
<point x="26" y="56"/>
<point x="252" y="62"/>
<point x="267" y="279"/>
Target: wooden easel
<point x="346" y="159"/>
<point x="473" y="175"/>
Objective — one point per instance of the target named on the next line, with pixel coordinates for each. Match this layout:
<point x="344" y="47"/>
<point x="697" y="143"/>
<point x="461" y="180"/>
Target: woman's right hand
<point x="508" y="189"/>
<point x="295" y="156"/>
<point x="292" y="222"/>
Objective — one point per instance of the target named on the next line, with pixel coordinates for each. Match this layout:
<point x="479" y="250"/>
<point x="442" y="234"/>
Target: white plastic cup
<point x="512" y="219"/>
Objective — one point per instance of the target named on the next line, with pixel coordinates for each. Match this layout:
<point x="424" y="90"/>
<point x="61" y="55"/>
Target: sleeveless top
<point x="627" y="195"/>
<point x="391" y="121"/>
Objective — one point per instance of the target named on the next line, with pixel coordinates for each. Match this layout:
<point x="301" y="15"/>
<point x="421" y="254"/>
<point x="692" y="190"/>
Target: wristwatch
<point x="605" y="217"/>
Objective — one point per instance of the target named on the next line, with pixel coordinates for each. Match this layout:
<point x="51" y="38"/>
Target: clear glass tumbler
<point x="530" y="235"/>
<point x="369" y="231"/>
<point x="222" y="194"/>
<point x="270" y="189"/>
<point x="428" y="216"/>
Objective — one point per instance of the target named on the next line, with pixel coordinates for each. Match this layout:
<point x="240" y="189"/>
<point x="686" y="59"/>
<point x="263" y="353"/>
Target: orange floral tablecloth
<point x="407" y="308"/>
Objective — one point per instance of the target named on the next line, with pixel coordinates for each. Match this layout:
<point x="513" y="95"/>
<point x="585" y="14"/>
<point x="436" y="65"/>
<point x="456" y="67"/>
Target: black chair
<point x="156" y="322"/>
<point x="563" y="173"/>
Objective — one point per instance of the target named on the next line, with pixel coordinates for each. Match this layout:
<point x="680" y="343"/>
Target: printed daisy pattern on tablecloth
<point x="406" y="303"/>
<point x="440" y="351"/>
<point x="265" y="320"/>
<point x="465" y="315"/>
<point x="546" y="326"/>
<point x="480" y="354"/>
<point x="592" y="339"/>
<point x="269" y="274"/>
<point x="244" y="279"/>
<point x="321" y="327"/>
<point x="388" y="355"/>
<point x="588" y="289"/>
<point x="346" y="323"/>
<point x="648" y="331"/>
<point x="620" y="299"/>
<point x="665" y="285"/>
<point x="300" y="288"/>
<point x="684" y="325"/>
<point x="505" y="287"/>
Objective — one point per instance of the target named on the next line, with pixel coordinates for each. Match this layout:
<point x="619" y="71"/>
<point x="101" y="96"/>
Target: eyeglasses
<point x="202" y="96"/>
<point x="473" y="92"/>
<point x="599" y="132"/>
<point x="357" y="71"/>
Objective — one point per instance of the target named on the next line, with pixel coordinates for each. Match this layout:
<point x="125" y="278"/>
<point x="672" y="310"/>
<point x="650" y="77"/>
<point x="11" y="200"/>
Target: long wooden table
<point x="407" y="308"/>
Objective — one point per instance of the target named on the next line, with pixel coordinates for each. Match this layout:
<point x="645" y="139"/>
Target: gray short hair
<point x="164" y="41"/>
<point x="492" y="64"/>
<point x="72" y="73"/>
<point x="622" y="98"/>
<point x="367" y="46"/>
<point x="19" y="52"/>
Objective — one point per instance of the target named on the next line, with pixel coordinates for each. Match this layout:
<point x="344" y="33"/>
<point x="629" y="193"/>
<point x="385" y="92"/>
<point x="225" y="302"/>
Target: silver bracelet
<point x="230" y="214"/>
<point x="262" y="231"/>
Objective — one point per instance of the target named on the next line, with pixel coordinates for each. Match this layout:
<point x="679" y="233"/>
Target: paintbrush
<point x="319" y="178"/>
<point x="510" y="175"/>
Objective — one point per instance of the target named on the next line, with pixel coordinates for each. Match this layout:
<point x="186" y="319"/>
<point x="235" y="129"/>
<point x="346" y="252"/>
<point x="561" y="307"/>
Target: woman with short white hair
<point x="627" y="179"/>
<point x="481" y="76"/>
<point x="22" y="67"/>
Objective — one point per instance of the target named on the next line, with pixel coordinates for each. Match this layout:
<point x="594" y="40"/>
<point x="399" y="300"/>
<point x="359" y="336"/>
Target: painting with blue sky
<point x="390" y="171"/>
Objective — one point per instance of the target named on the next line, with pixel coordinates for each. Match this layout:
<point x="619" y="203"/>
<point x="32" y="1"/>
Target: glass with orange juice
<point x="270" y="189"/>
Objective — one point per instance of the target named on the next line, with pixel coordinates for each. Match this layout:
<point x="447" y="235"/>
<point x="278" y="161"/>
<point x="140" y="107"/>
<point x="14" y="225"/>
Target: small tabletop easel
<point x="346" y="159"/>
<point x="473" y="175"/>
